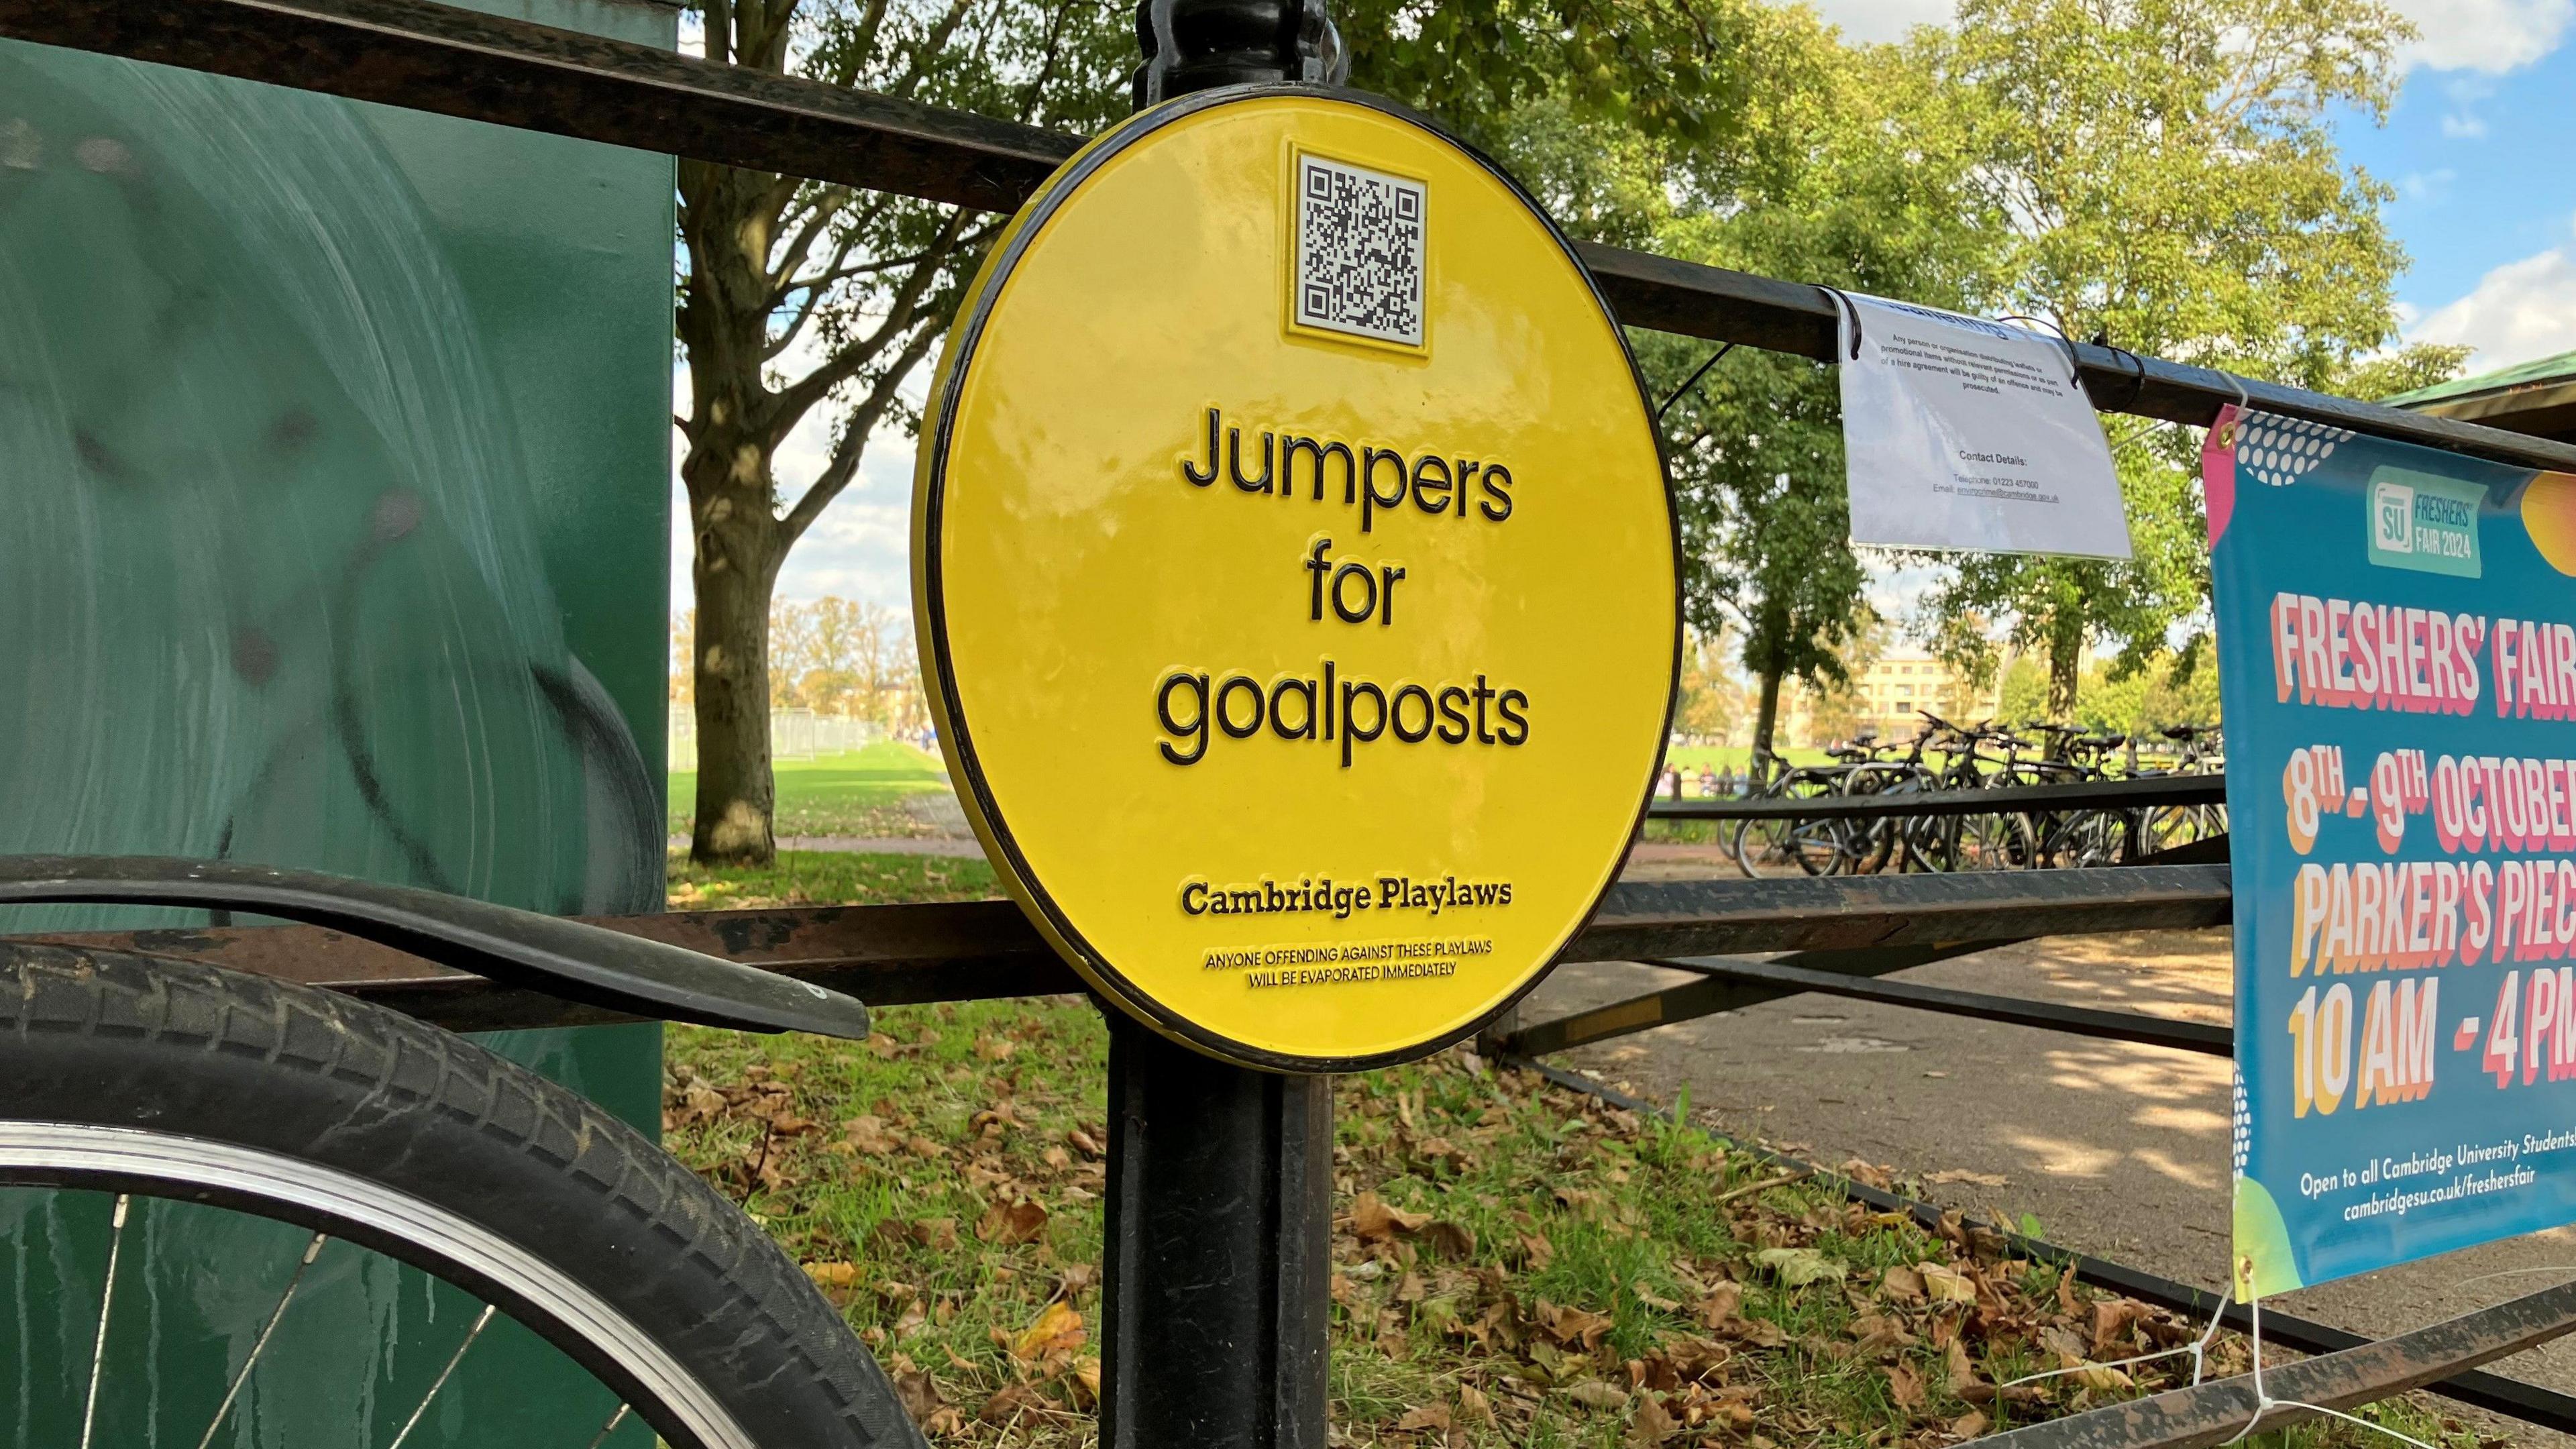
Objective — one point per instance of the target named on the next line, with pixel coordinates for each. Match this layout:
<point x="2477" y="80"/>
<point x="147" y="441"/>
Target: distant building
<point x="2538" y="398"/>
<point x="1886" y="699"/>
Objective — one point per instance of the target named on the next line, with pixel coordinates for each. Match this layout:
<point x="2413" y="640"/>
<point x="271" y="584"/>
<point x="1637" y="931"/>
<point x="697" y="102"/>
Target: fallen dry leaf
<point x="869" y="1135"/>
<point x="1652" y="1425"/>
<point x="1010" y="1402"/>
<point x="1968" y="1425"/>
<point x="1453" y="1241"/>
<point x="1429" y="1416"/>
<point x="1798" y="1267"/>
<point x="1373" y="1220"/>
<point x="1867" y="1174"/>
<point x="1973" y="1179"/>
<point x="1475" y="1405"/>
<point x="1057" y="1327"/>
<point x="919" y="1396"/>
<point x="1902" y="1284"/>
<point x="835" y="1275"/>
<point x="1011" y="1223"/>
<point x="1594" y="1394"/>
<point x="1905" y="1386"/>
<point x="1944" y="1284"/>
<point x="1965" y="1382"/>
<point x="1573" y="1327"/>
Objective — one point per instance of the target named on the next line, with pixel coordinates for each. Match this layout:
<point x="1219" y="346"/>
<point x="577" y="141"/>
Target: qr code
<point x="1359" y="251"/>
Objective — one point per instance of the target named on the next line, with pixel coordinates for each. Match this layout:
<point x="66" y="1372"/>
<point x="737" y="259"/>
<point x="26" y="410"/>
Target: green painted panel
<point x="334" y="466"/>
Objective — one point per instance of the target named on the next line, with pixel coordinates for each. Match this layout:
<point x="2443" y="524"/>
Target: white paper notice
<point x="1961" y="433"/>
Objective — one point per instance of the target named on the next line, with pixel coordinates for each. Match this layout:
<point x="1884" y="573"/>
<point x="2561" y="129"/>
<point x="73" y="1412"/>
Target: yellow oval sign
<point x="1296" y="578"/>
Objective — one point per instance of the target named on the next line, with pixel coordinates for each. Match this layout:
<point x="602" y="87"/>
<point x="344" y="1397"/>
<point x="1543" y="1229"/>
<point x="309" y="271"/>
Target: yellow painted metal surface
<point x="1313" y="765"/>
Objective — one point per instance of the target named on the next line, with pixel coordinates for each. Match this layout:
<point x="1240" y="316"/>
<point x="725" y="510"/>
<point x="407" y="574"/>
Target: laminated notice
<point x="1965" y="434"/>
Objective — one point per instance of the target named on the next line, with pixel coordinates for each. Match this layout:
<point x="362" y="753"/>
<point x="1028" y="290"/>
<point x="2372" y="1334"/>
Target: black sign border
<point x="968" y="332"/>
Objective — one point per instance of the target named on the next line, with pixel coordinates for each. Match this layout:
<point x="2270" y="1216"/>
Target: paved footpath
<point x="2118" y="1149"/>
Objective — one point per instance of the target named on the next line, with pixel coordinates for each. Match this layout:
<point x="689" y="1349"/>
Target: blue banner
<point x="2398" y="671"/>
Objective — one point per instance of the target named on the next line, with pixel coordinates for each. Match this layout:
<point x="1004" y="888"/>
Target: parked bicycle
<point x="343" y="1138"/>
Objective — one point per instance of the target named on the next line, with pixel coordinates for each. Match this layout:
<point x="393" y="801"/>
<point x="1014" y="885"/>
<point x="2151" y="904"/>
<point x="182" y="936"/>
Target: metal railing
<point x="433" y="57"/>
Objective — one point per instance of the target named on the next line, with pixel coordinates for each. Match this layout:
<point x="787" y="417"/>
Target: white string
<point x="2198" y="1349"/>
<point x="2264" y="1403"/>
<point x="2515" y="1273"/>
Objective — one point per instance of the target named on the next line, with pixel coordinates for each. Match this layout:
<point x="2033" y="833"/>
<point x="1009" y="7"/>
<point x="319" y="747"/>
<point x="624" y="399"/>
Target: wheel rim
<point x="132" y="1163"/>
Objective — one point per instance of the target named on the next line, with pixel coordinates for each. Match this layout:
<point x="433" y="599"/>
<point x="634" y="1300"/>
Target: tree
<point x="1757" y="454"/>
<point x="796" y="295"/>
<point x="852" y="289"/>
<point x="2170" y="184"/>
<point x="1710" y="702"/>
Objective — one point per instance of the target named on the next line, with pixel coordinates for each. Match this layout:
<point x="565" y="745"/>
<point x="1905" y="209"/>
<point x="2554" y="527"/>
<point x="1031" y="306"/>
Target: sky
<point x="2479" y="148"/>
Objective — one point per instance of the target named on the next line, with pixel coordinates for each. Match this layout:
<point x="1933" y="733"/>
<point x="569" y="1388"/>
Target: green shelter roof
<point x="2536" y="397"/>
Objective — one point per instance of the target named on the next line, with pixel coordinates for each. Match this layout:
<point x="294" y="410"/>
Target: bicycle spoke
<point x="259" y="1345"/>
<point x="611" y="1426"/>
<point x="440" y="1382"/>
<point x="106" y="1301"/>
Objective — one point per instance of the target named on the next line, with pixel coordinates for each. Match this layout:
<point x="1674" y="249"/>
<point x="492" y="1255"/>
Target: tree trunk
<point x="734" y="560"/>
<point x="2065" y="670"/>
<point x="1766" y="719"/>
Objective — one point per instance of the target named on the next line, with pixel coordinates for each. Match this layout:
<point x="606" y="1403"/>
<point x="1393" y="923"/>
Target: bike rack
<point x="2141" y="793"/>
<point x="1212" y="1165"/>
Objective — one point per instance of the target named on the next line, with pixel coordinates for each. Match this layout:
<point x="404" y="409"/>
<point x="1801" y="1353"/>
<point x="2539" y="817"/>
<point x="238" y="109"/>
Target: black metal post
<point x="1220" y="1211"/>
<point x="1220" y="1221"/>
<point x="1197" y="45"/>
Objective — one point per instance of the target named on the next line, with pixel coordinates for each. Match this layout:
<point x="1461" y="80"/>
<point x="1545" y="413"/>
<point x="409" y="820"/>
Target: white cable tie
<point x="2264" y="1403"/>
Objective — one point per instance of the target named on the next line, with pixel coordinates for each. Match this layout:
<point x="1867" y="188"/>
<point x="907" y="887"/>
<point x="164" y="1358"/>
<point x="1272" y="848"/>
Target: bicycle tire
<point x="180" y="1080"/>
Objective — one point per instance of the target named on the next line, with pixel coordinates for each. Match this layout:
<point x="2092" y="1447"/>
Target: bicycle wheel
<point x="182" y="1088"/>
<point x="1868" y="842"/>
<point x="1819" y="846"/>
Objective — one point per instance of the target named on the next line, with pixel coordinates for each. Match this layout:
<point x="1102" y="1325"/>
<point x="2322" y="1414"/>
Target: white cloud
<point x="2517" y="312"/>
<point x="2487" y="36"/>
<point x="2430" y="185"/>
<point x="2460" y="127"/>
<point x="1877" y="20"/>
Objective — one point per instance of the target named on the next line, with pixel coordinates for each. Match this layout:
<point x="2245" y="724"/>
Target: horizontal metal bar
<point x="1726" y="917"/>
<point x="456" y="62"/>
<point x="976" y="950"/>
<point x="2189" y="1036"/>
<point x="2477" y="1388"/>
<point x="434" y="57"/>
<point x="2209" y="1414"/>
<point x="2141" y="793"/>
<point x="884" y="955"/>
<point x="1712" y="994"/>
<point x="607" y="970"/>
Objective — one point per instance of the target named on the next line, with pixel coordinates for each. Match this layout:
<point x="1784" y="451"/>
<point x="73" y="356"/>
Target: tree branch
<point x="844" y="466"/>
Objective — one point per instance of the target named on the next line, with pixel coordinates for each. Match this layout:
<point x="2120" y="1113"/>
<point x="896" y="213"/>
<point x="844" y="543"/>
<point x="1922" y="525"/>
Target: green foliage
<point x="2164" y="689"/>
<point x="2403" y="369"/>
<point x="1679" y="78"/>
<point x="1757" y="444"/>
<point x="2170" y="182"/>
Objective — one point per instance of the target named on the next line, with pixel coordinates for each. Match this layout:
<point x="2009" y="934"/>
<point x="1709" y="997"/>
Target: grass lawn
<point x="1513" y="1264"/>
<point x="1734" y="759"/>
<point x="854" y="793"/>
